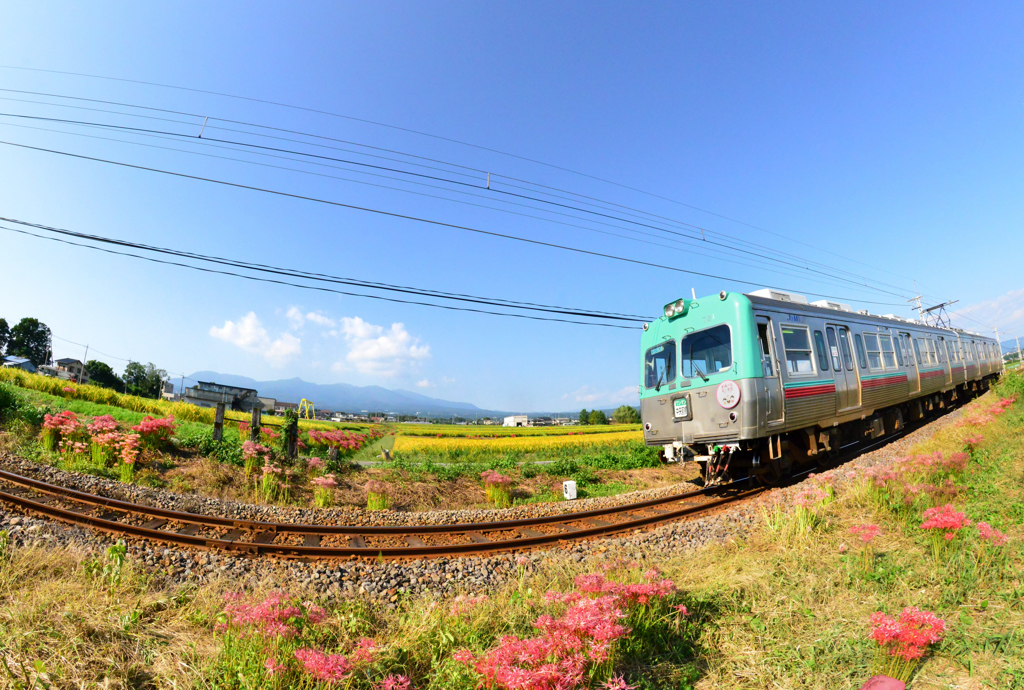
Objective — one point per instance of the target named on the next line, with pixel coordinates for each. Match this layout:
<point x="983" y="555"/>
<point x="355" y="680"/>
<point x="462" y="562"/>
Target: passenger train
<point x="766" y="381"/>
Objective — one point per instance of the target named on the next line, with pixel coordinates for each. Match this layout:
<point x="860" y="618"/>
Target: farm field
<point x="423" y="473"/>
<point x="806" y="598"/>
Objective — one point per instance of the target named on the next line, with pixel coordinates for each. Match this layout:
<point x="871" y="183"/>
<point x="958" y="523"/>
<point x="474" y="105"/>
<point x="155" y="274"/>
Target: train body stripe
<point x="807" y="389"/>
<point x="883" y="380"/>
<point x="932" y="374"/>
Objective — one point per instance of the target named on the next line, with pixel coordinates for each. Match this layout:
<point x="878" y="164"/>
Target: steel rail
<point x="387" y="552"/>
<point x="357" y="548"/>
<point x="308" y="528"/>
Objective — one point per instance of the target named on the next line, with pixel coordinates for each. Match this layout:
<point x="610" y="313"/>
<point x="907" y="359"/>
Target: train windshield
<point x="660" y="365"/>
<point x="706" y="352"/>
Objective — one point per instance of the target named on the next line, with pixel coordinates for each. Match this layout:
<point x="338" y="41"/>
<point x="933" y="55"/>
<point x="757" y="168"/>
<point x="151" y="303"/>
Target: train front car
<point x="702" y="385"/>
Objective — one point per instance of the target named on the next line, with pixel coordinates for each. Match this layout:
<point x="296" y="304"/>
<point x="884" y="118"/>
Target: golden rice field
<point x="526" y="443"/>
<point x="468" y="431"/>
<point x="160" y="408"/>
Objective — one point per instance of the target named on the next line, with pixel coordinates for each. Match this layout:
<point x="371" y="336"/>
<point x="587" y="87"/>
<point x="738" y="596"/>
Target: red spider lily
<point x="865" y="532"/>
<point x="328" y="668"/>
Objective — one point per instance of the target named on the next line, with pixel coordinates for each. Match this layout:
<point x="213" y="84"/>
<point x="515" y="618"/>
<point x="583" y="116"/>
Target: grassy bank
<point x="787" y="606"/>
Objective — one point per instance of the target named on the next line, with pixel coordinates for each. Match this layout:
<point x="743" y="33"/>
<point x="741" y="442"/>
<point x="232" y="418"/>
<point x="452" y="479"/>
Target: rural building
<point x="208" y="394"/>
<point x="74" y="368"/>
<point x="167" y="393"/>
<point x="517" y="420"/>
<point x="282" y="407"/>
<point x="269" y="405"/>
<point x="19" y="363"/>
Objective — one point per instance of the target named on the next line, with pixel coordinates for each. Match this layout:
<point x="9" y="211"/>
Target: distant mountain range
<point x="1010" y="345"/>
<point x="344" y="397"/>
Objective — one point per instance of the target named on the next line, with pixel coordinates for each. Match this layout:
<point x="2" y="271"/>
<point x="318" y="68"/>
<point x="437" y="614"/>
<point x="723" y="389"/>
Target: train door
<point x="770" y="370"/>
<point x="946" y="354"/>
<point x="847" y="385"/>
<point x="913" y="375"/>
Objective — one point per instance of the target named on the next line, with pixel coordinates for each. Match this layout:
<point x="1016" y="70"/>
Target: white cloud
<point x="376" y="350"/>
<point x="250" y="335"/>
<point x="1005" y="311"/>
<point x="425" y="383"/>
<point x="319" y="319"/>
<point x="294" y="315"/>
<point x="591" y="396"/>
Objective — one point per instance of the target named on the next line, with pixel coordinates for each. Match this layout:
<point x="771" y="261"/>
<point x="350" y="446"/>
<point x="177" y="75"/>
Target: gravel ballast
<point x="388" y="581"/>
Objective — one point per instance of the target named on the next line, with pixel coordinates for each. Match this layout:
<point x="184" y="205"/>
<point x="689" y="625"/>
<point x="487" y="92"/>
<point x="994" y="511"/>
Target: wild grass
<point x="781" y="607"/>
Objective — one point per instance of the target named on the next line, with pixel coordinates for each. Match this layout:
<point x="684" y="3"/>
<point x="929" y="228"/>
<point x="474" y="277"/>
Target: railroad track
<point x="312" y="541"/>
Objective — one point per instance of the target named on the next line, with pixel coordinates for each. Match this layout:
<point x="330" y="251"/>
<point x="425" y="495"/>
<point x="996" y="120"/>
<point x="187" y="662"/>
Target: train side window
<point x="797" y="342"/>
<point x="819" y="345"/>
<point x="917" y="351"/>
<point x="859" y="344"/>
<point x="833" y="348"/>
<point x="951" y="351"/>
<point x="898" y="343"/>
<point x="844" y="345"/>
<point x="888" y="356"/>
<point x="766" y="353"/>
<point x="974" y="352"/>
<point x="874" y="351"/>
<point x="938" y="350"/>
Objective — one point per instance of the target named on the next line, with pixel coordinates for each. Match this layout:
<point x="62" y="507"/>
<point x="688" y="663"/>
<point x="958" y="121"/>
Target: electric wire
<point x="689" y="252"/>
<point x="449" y="181"/>
<point x="703" y="230"/>
<point x="318" y="288"/>
<point x="333" y="279"/>
<point x="392" y="214"/>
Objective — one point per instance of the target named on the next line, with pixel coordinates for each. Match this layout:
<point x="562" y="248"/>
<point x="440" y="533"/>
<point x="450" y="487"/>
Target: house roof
<point x="16" y="360"/>
<point x="69" y="360"/>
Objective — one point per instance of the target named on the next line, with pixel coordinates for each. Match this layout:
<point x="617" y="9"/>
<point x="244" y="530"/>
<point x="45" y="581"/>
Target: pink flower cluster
<point x="66" y="422"/>
<point x="68" y="389"/>
<point x="325" y="482"/>
<point x="988" y="533"/>
<point x="394" y="682"/>
<point x="560" y="656"/>
<point x="252" y="450"/>
<point x="102" y="424"/>
<point x="463" y="603"/>
<point x="626" y="594"/>
<point x="865" y="532"/>
<point x="315" y="464"/>
<point x="156" y="431"/>
<point x="327" y="668"/>
<point x="493" y="478"/>
<point x="68" y="445"/>
<point x="278" y="615"/>
<point x="342" y="440"/>
<point x="908" y="636"/>
<point x="810" y="498"/>
<point x="945" y="518"/>
<point x="269" y="433"/>
<point x="128" y="448"/>
<point x="972" y="442"/>
<point x="375" y="486"/>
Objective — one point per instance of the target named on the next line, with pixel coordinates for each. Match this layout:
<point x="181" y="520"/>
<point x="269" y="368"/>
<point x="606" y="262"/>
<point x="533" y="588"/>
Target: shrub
<point x="498" y="488"/>
<point x="377" y="495"/>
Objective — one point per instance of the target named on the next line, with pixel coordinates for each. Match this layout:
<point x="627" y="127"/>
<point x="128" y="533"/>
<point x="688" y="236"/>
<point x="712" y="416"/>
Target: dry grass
<point x="774" y="610"/>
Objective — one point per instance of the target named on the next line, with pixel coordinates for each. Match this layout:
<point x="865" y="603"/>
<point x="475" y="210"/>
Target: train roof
<point x="794" y="302"/>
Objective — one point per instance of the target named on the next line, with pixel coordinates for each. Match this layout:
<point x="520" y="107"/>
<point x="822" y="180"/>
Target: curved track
<point x="312" y="541"/>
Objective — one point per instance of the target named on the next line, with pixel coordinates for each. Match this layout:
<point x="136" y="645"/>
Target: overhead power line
<point x="684" y="244"/>
<point x="403" y="216"/>
<point x="318" y="288"/>
<point x="249" y="124"/>
<point x="190" y="137"/>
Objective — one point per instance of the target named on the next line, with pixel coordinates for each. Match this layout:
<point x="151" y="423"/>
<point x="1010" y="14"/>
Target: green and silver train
<point x="766" y="381"/>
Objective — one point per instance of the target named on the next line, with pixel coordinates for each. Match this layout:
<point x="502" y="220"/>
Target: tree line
<point x="31" y="339"/>
<point x="625" y="414"/>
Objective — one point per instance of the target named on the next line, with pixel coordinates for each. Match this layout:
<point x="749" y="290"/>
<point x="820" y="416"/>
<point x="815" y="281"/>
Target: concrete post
<point x="218" y="423"/>
<point x="257" y="422"/>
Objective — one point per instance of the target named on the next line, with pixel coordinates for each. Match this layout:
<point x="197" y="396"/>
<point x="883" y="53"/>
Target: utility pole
<point x="84" y="363"/>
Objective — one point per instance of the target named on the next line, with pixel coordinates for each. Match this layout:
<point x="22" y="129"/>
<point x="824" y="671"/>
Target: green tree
<point x="144" y="381"/>
<point x="598" y="417"/>
<point x="100" y="374"/>
<point x="584" y="417"/>
<point x="626" y="414"/>
<point x="5" y="335"/>
<point x="30" y="339"/>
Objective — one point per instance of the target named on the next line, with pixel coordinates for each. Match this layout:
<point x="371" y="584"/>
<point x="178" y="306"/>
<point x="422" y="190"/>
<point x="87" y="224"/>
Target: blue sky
<point x="877" y="139"/>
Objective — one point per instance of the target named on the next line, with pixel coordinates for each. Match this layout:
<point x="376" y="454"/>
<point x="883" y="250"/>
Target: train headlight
<point x="677" y="308"/>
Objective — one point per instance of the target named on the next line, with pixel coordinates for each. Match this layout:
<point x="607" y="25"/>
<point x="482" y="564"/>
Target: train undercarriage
<point x="773" y="459"/>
